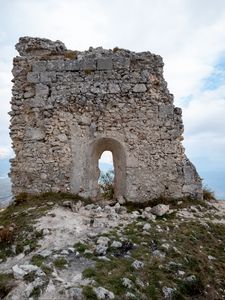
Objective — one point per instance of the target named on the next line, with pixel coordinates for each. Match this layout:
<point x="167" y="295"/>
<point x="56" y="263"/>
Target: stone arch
<point x="119" y="160"/>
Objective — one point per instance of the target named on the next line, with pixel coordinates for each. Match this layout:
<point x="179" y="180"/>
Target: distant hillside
<point x="104" y="167"/>
<point x="5" y="190"/>
<point x="5" y="183"/>
<point x="4" y="167"/>
<point x="215" y="181"/>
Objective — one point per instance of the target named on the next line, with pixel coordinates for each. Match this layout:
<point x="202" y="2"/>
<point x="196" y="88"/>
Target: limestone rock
<point x="139" y="88"/>
<point x="130" y="295"/>
<point x="18" y="273"/>
<point x="104" y="240"/>
<point x="49" y="292"/>
<point x="127" y="282"/>
<point x="160" y="210"/>
<point x="146" y="226"/>
<point x="75" y="293"/>
<point x="121" y="200"/>
<point x="137" y="264"/>
<point x="45" y="253"/>
<point x="116" y="244"/>
<point x="148" y="215"/>
<point x="102" y="245"/>
<point x="159" y="254"/>
<point x="103" y="293"/>
<point x="168" y="292"/>
<point x="31" y="46"/>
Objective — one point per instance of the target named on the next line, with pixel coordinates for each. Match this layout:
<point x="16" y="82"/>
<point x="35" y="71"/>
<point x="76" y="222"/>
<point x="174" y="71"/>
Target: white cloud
<point x="205" y="113"/>
<point x="205" y="127"/>
<point x="5" y="152"/>
<point x="106" y="157"/>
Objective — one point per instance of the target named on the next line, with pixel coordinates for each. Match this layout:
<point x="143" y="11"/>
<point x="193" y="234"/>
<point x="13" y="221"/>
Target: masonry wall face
<point x="69" y="106"/>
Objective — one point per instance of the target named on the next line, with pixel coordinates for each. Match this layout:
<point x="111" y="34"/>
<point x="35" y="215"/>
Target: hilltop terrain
<point x="60" y="246"/>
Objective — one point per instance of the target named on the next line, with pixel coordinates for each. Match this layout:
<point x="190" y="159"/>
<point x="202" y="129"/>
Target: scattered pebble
<point x="127" y="282"/>
<point x="103" y="293"/>
<point x="137" y="264"/>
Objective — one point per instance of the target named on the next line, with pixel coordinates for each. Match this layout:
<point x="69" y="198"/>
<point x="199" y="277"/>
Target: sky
<point x="188" y="34"/>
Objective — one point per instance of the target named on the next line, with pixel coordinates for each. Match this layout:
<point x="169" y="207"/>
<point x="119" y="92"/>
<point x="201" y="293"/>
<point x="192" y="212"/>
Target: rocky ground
<point x="61" y="247"/>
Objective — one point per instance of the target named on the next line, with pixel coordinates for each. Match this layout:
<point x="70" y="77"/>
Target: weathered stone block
<point x="47" y="77"/>
<point x="55" y="65"/>
<point x="39" y="66"/>
<point x="120" y="62"/>
<point x="41" y="90"/>
<point x="29" y="46"/>
<point x="139" y="88"/>
<point x="104" y="63"/>
<point x="35" y="134"/>
<point x="33" y="77"/>
<point x="72" y="65"/>
<point x="88" y="64"/>
<point x="114" y="88"/>
<point x="29" y="94"/>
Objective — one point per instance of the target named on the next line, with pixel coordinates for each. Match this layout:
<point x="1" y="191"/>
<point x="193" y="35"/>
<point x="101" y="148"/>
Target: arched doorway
<point x="106" y="178"/>
<point x="119" y="161"/>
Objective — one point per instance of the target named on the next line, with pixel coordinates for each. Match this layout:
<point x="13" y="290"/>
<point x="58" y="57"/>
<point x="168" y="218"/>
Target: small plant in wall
<point x="106" y="184"/>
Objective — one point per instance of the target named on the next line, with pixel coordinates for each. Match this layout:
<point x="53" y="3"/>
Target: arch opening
<point x="119" y="162"/>
<point x="106" y="177"/>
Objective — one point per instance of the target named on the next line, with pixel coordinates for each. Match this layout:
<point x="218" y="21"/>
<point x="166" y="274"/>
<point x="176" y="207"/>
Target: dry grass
<point x="208" y="194"/>
<point x="115" y="49"/>
<point x="6" y="235"/>
<point x="70" y="54"/>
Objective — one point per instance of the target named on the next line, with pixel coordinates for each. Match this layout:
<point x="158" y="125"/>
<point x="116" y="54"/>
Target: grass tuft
<point x="6" y="284"/>
<point x="89" y="293"/>
<point x="60" y="263"/>
<point x="70" y="54"/>
<point x="37" y="260"/>
<point x="115" y="49"/>
<point x="208" y="194"/>
<point x="89" y="272"/>
<point x="81" y="247"/>
<point x="88" y="71"/>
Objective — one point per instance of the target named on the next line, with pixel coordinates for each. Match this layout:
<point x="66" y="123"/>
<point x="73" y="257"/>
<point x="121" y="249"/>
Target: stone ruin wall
<point x="70" y="106"/>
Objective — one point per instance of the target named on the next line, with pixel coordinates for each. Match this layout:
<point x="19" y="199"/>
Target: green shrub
<point x="89" y="293"/>
<point x="60" y="263"/>
<point x="192" y="288"/>
<point x="89" y="272"/>
<point x="37" y="260"/>
<point x="47" y="270"/>
<point x="106" y="184"/>
<point x="36" y="292"/>
<point x="81" y="247"/>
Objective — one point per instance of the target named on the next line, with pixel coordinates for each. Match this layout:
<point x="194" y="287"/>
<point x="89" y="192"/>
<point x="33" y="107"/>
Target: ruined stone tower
<point x="70" y="106"/>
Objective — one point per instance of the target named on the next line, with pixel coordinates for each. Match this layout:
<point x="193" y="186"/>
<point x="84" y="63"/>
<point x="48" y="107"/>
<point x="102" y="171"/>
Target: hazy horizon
<point x="214" y="183"/>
